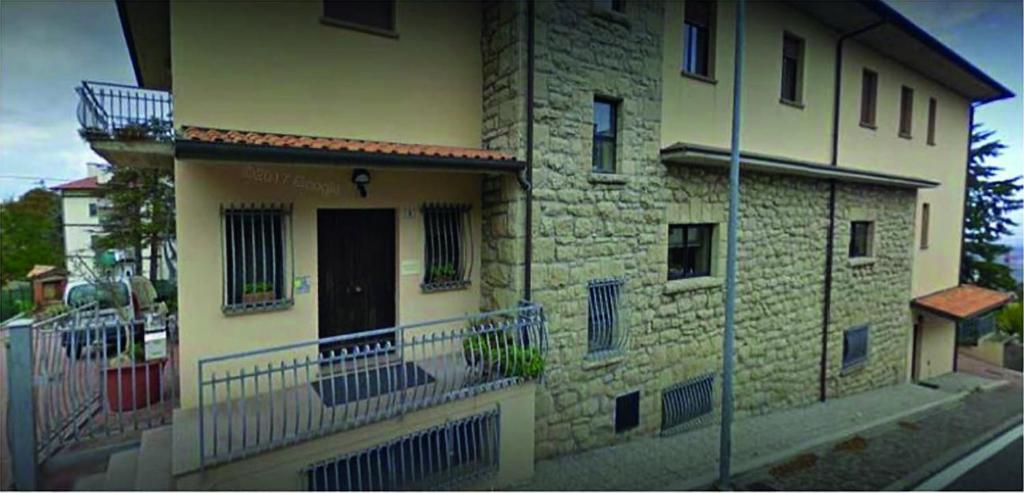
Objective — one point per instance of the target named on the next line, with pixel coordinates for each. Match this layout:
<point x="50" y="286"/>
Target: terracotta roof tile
<point x="201" y="134"/>
<point x="90" y="183"/>
<point x="963" y="301"/>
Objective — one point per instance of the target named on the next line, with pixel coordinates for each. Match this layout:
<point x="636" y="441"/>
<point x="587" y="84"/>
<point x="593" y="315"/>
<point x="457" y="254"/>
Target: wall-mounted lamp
<point x="361" y="178"/>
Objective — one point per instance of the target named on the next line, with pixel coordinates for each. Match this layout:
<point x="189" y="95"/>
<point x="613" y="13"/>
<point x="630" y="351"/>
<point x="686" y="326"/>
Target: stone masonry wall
<point x="589" y="226"/>
<point x="503" y="49"/>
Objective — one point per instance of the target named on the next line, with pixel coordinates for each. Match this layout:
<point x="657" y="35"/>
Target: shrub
<point x="493" y="352"/>
<point x="1009" y="319"/>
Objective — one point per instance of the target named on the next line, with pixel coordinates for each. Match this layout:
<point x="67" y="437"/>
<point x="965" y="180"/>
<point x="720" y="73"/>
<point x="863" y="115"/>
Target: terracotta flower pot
<point x="257" y="298"/>
<point x="137" y="387"/>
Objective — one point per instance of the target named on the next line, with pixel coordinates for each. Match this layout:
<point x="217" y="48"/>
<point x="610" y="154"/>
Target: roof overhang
<point x="962" y="302"/>
<point x="692" y="154"/>
<point x="233" y="145"/>
<point x="147" y="32"/>
<point x="902" y="40"/>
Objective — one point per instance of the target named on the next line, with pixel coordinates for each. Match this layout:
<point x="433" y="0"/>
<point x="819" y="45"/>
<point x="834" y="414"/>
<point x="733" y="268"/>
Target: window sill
<point x="862" y="261"/>
<point x="869" y="126"/>
<point x="608" y="178"/>
<point x="795" y="104"/>
<point x="692" y="284"/>
<point x="854" y="367"/>
<point x="437" y="287"/>
<point x="603" y="358"/>
<point x="702" y="78"/>
<point x="610" y="15"/>
<point x="387" y="33"/>
<point x="233" y="310"/>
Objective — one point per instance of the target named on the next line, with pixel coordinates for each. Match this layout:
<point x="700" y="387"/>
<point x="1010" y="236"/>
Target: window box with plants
<point x="258" y="293"/>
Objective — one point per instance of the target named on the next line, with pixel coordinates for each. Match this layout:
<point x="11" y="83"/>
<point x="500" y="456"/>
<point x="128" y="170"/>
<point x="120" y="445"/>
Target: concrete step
<point x="92" y="482"/>
<point x="121" y="470"/>
<point x="153" y="470"/>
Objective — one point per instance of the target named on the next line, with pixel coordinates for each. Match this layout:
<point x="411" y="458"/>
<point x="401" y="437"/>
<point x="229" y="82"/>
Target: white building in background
<point x="82" y="206"/>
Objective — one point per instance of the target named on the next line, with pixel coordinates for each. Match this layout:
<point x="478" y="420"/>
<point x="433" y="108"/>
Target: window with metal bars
<point x="972" y="329"/>
<point x="687" y="401"/>
<point x="605" y="329"/>
<point x="855" y="346"/>
<point x="448" y="248"/>
<point x="257" y="257"/>
<point x="439" y="457"/>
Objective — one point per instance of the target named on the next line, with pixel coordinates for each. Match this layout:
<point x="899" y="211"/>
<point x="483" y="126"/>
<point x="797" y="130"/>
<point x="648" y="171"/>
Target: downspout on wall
<point x="528" y="186"/>
<point x="830" y="240"/>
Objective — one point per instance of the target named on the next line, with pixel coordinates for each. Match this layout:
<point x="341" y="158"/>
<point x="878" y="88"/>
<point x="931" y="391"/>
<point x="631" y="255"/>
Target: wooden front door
<point x="356" y="273"/>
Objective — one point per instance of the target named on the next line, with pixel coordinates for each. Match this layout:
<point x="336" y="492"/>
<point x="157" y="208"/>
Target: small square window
<point x="605" y="135"/>
<point x="93" y="209"/>
<point x="627" y="412"/>
<point x="861" y="238"/>
<point x="855" y="346"/>
<point x="698" y="37"/>
<point x="378" y="15"/>
<point x="792" y="68"/>
<point x="689" y="250"/>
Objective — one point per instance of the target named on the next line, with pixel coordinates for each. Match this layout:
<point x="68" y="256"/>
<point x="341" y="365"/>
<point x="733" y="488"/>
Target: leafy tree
<point x="30" y="233"/>
<point x="139" y="213"/>
<point x="989" y="204"/>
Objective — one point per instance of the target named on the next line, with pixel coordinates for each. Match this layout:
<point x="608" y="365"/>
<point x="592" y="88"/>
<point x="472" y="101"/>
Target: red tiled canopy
<point x="90" y="183"/>
<point x="962" y="302"/>
<point x="212" y="135"/>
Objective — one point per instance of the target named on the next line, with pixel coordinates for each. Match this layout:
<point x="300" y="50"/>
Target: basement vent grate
<point x="439" y="457"/>
<point x="687" y="401"/>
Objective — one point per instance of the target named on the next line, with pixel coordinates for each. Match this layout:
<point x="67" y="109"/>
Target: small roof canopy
<point x="235" y="145"/>
<point x="962" y="302"/>
<point x="90" y="183"/>
<point x="43" y="272"/>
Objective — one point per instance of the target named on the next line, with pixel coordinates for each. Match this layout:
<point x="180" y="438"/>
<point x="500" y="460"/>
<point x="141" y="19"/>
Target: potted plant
<point x="132" y="382"/>
<point x="443" y="273"/>
<point x="254" y="293"/>
<point x="493" y="352"/>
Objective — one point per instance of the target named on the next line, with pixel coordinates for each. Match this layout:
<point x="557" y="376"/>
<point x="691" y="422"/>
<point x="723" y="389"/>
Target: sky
<point x="47" y="48"/>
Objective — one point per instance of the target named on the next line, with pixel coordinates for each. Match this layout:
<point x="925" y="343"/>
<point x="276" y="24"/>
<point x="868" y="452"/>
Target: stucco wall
<point x="79" y="228"/>
<point x="273" y="66"/>
<point x="202" y="187"/>
<point x="699" y="112"/>
<point x="938" y="336"/>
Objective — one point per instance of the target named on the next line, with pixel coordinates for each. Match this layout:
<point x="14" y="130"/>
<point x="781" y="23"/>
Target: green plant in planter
<point x="491" y="352"/>
<point x="442" y="273"/>
<point x="257" y="287"/>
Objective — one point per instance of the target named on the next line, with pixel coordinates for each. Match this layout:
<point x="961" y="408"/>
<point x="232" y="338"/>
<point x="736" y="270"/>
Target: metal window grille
<point x="448" y="248"/>
<point x="256" y="257"/>
<point x="687" y="401"/>
<point x="605" y="328"/>
<point x="439" y="457"/>
<point x="975" y="328"/>
<point x="855" y="346"/>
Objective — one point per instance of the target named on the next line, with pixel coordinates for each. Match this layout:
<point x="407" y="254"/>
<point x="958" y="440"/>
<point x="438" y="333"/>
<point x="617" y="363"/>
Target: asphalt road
<point x="1000" y="472"/>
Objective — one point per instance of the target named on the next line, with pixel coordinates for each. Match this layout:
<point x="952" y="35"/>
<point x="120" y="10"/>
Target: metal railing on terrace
<point x="122" y="112"/>
<point x="263" y="399"/>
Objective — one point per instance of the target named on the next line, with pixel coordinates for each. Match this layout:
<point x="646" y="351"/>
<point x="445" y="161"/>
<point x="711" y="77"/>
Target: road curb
<point x="703" y="482"/>
<point x="930" y="469"/>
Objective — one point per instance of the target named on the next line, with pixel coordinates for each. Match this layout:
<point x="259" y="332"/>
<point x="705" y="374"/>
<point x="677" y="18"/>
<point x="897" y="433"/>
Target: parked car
<point x="119" y="318"/>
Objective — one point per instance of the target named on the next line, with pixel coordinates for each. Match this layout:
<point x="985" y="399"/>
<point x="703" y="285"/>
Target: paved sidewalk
<point x="690" y="460"/>
<point x="899" y="455"/>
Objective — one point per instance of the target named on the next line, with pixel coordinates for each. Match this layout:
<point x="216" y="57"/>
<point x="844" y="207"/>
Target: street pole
<point x="725" y="447"/>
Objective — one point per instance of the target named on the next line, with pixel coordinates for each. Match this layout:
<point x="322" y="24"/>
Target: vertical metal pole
<point x="725" y="448"/>
<point x="22" y="425"/>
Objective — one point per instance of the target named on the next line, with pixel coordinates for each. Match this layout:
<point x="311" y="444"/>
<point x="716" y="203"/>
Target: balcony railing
<point x="260" y="400"/>
<point x="120" y="112"/>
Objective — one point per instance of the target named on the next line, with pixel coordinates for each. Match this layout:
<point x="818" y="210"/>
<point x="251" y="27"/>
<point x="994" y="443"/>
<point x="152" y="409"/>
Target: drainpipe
<point x="963" y="225"/>
<point x="830" y="240"/>
<point x="528" y="187"/>
<point x="728" y="338"/>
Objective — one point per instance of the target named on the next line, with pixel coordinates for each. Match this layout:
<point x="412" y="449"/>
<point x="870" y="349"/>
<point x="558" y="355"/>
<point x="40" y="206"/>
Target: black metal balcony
<point x="119" y="112"/>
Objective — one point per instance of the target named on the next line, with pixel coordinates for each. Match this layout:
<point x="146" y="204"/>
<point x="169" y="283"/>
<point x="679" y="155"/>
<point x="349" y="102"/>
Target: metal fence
<point x="259" y="400"/>
<point x="440" y="457"/>
<point x="117" y="111"/>
<point x="687" y="402"/>
<point x="606" y="331"/>
<point x="89" y="377"/>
